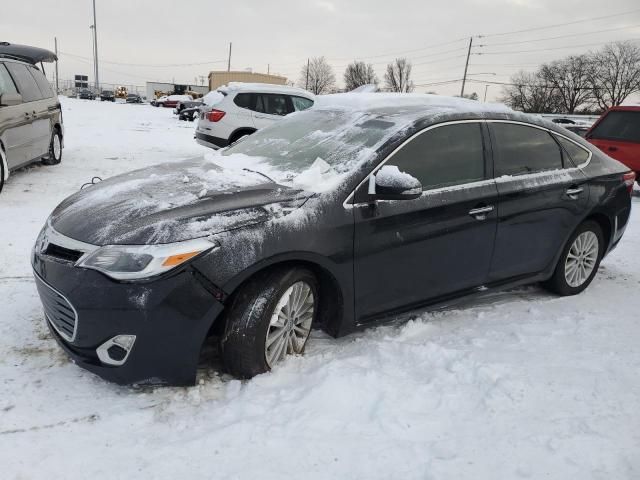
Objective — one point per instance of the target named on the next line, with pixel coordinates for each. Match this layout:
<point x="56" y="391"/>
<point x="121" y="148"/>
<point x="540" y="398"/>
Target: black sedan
<point x="335" y="218"/>
<point x="86" y="94"/>
<point x="107" y="96"/>
<point x="134" y="98"/>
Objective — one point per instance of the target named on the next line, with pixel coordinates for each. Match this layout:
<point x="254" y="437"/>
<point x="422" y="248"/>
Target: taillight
<point x="215" y="115"/>
<point x="628" y="179"/>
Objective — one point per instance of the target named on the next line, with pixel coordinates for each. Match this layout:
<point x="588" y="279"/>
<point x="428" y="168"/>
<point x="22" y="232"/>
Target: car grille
<point x="59" y="312"/>
<point x="63" y="253"/>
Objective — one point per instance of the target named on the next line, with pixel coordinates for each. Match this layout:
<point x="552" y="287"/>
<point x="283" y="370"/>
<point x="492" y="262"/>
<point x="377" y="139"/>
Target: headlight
<point x="131" y="262"/>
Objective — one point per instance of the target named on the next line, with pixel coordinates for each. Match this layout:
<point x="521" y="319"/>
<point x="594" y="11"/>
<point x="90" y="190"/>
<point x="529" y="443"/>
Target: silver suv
<point x="30" y="114"/>
<point x="239" y="109"/>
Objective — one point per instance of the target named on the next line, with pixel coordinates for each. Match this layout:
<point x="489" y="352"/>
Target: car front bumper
<point x="170" y="318"/>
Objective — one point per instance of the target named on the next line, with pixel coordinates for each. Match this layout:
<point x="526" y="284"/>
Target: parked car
<point x="576" y="126"/>
<point x="158" y="102"/>
<point x="188" y="110"/>
<point x="171" y="101"/>
<point x="617" y="133"/>
<point x="31" y="127"/>
<point x="239" y="109"/>
<point x="134" y="98"/>
<point x="107" y="96"/>
<point x="86" y="94"/>
<point x="337" y="218"/>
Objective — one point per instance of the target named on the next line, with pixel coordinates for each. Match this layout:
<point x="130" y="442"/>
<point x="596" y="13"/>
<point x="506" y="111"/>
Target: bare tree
<point x="529" y="93"/>
<point x="397" y="78"/>
<point x="358" y="74"/>
<point x="615" y="73"/>
<point x="569" y="78"/>
<point x="317" y="76"/>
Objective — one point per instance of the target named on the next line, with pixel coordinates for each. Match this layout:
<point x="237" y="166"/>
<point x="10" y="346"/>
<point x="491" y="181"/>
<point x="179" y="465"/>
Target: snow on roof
<point x="264" y="87"/>
<point x="372" y="101"/>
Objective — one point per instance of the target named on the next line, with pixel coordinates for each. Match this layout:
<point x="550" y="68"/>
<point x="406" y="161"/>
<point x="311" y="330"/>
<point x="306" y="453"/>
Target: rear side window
<point x="521" y="149"/>
<point x="301" y="103"/>
<point x="243" y="100"/>
<point x="272" y="104"/>
<point x="43" y="83"/>
<point x="444" y="156"/>
<point x="618" y="125"/>
<point x="577" y="155"/>
<point x="26" y="84"/>
<point x="6" y="82"/>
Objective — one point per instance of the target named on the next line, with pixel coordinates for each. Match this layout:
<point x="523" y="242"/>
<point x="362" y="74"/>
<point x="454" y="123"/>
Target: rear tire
<point x="263" y="325"/>
<point x="55" y="149"/>
<point x="579" y="261"/>
<point x="2" y="158"/>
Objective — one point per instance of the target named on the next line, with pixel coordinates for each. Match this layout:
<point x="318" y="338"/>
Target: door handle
<point x="573" y="192"/>
<point x="480" y="213"/>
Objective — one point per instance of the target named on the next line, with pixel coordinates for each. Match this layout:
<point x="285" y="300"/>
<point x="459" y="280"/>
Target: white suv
<point x="239" y="109"/>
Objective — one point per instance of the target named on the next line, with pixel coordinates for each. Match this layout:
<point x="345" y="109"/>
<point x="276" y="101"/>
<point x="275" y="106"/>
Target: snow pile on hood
<point x="370" y="101"/>
<point x="180" y="98"/>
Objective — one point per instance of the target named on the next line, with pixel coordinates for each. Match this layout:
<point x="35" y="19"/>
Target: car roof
<point x="233" y="87"/>
<point x="25" y="53"/>
<point x="628" y="108"/>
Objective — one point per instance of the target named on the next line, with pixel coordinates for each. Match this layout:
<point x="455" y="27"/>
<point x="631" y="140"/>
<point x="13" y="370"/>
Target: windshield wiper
<point x="260" y="173"/>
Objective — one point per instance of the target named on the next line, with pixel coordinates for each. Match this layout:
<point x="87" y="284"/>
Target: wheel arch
<point x="332" y="291"/>
<point x="606" y="225"/>
<point x="238" y="132"/>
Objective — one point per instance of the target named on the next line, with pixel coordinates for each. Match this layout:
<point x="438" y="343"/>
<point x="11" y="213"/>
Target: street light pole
<point x="486" y="87"/>
<point x="95" y="47"/>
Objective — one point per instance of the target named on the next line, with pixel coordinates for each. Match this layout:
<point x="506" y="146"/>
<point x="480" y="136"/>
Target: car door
<point x="409" y="252"/>
<point x="269" y="108"/>
<point x="542" y="197"/>
<point x="43" y="112"/>
<point x="15" y="124"/>
<point x="31" y="96"/>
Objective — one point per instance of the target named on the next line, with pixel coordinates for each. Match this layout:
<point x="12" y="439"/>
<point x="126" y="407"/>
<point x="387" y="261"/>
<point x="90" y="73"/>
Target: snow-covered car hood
<point x="171" y="202"/>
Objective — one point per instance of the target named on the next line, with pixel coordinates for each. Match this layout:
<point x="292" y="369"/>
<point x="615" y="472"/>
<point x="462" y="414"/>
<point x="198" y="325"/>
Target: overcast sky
<point x="283" y="33"/>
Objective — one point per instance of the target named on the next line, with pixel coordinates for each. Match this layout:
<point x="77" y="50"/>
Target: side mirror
<point x="10" y="99"/>
<point x="389" y="183"/>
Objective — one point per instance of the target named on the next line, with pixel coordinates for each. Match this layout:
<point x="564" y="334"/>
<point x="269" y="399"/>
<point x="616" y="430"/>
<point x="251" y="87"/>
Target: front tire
<point x="2" y="157"/>
<point x="55" y="149"/>
<point x="269" y="318"/>
<point x="579" y="261"/>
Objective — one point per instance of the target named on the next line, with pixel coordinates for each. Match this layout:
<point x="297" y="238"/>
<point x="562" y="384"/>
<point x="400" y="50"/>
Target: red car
<point x="617" y="133"/>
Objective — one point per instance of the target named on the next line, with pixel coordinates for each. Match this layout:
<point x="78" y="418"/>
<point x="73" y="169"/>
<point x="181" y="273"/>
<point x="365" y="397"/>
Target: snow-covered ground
<point x="520" y="384"/>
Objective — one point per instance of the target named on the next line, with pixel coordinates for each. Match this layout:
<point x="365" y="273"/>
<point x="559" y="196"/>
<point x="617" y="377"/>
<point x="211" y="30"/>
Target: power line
<point x="592" y="19"/>
<point x="553" y="48"/>
<point x="146" y="64"/>
<point x="561" y="36"/>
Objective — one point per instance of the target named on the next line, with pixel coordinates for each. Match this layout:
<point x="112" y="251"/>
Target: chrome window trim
<point x="75" y="313"/>
<point x="552" y="132"/>
<point x="347" y="205"/>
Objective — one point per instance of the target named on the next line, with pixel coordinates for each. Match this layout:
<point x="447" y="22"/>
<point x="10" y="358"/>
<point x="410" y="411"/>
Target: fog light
<point x="116" y="350"/>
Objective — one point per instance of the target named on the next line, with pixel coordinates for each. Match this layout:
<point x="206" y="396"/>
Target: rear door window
<point x="25" y="82"/>
<point x="577" y="155"/>
<point x="520" y="149"/>
<point x="272" y="104"/>
<point x="301" y="103"/>
<point x="444" y="156"/>
<point x="618" y="125"/>
<point x="243" y="100"/>
<point x="43" y="83"/>
<point x="6" y="82"/>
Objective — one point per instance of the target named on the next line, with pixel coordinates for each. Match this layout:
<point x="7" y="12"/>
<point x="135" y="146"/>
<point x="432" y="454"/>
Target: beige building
<point x="223" y="77"/>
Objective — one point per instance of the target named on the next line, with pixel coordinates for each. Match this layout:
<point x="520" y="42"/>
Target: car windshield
<point x="327" y="143"/>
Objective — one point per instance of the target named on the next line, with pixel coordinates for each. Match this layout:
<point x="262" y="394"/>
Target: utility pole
<point x="268" y="69"/>
<point x="95" y="46"/>
<point x="466" y="66"/>
<point x="229" y="62"/>
<point x="55" y="43"/>
<point x="486" y="87"/>
<point x="307" y="87"/>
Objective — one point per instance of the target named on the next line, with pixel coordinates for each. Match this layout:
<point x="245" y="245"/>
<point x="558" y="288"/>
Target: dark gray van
<point x="30" y="114"/>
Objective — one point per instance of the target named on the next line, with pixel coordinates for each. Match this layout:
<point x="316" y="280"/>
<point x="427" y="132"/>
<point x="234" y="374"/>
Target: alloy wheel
<point x="290" y="323"/>
<point x="581" y="259"/>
